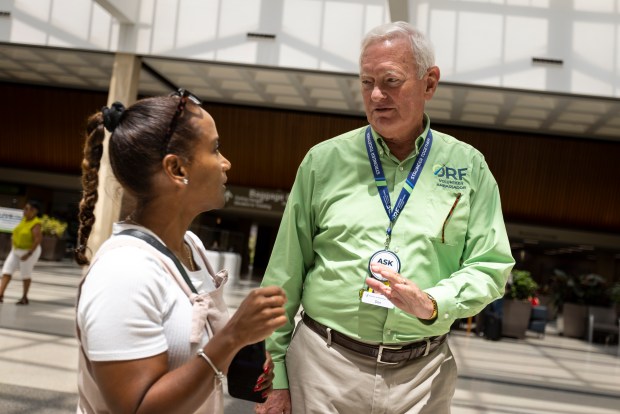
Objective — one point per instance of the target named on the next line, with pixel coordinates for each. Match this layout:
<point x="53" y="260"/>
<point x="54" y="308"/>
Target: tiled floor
<point x="38" y="357"/>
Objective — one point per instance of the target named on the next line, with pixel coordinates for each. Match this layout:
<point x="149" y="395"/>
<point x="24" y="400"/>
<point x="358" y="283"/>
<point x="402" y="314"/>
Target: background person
<point x="25" y="250"/>
<point x="413" y="207"/>
<point x="148" y="343"/>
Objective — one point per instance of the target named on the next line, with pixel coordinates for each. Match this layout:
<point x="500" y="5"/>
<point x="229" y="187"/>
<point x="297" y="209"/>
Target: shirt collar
<point x="418" y="142"/>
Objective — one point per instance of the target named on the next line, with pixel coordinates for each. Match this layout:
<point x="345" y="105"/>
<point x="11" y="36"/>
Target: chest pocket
<point x="448" y="215"/>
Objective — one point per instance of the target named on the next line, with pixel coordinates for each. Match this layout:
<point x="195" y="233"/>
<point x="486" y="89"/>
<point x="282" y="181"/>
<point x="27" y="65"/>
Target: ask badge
<point x="386" y="258"/>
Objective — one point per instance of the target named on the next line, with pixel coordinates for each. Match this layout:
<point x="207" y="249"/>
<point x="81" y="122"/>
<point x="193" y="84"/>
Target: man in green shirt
<point x="390" y="233"/>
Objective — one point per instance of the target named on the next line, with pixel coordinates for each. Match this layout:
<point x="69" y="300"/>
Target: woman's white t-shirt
<point x="130" y="307"/>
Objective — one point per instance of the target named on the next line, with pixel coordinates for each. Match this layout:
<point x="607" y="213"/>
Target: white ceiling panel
<point x="331" y="104"/>
<point x="236" y="85"/>
<point x="318" y="81"/>
<point x="496" y="98"/>
<point x="468" y="105"/>
<point x="476" y="119"/>
<point x="578" y="117"/>
<point x="248" y="97"/>
<point x="518" y="123"/>
<point x="567" y="127"/>
<point x="289" y="100"/>
<point x="588" y="106"/>
<point x="218" y="72"/>
<point x="278" y="89"/>
<point x="332" y="94"/>
<point x="482" y="108"/>
<point x="527" y="113"/>
<point x="614" y="122"/>
<point x="28" y="76"/>
<point x="531" y="100"/>
<point x="609" y="131"/>
<point x="271" y="77"/>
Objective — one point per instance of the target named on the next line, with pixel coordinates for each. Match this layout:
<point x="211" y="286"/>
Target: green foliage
<point x="522" y="286"/>
<point x="51" y="226"/>
<point x="594" y="289"/>
<point x="588" y="289"/>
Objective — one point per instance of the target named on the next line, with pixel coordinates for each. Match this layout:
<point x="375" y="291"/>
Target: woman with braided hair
<point x="153" y="329"/>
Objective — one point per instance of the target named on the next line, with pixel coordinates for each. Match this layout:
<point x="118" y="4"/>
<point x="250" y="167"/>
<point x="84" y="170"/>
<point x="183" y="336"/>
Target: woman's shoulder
<point x="128" y="268"/>
<point x="120" y="256"/>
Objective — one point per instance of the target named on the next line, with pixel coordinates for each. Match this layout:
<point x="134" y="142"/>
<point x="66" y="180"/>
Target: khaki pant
<point x="331" y="379"/>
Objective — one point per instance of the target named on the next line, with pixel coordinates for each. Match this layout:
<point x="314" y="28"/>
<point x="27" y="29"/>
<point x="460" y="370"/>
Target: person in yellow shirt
<point x="25" y="250"/>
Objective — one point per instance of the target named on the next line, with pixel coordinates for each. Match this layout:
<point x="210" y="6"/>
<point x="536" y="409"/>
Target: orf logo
<point x="440" y="170"/>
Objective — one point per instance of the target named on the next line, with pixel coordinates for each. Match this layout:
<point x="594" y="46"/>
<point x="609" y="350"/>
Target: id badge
<point x="376" y="299"/>
<point x="387" y="258"/>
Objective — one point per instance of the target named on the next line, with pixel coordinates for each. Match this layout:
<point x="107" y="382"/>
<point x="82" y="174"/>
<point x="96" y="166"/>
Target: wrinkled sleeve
<point x="290" y="260"/>
<point x="486" y="258"/>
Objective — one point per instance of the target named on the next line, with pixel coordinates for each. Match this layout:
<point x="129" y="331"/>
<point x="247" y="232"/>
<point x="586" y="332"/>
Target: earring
<point x="185" y="181"/>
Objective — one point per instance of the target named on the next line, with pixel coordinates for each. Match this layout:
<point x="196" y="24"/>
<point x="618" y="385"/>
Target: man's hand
<point x="278" y="402"/>
<point x="403" y="293"/>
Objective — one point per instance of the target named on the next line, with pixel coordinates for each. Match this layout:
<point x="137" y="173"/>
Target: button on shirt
<point x="334" y="221"/>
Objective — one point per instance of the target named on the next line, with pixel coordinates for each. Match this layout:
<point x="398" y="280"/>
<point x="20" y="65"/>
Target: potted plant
<point x="554" y="292"/>
<point x="517" y="307"/>
<point x="614" y="296"/>
<point x="568" y="298"/>
<point x="595" y="291"/>
<point x="53" y="245"/>
<point x="5" y="244"/>
<point x="577" y="293"/>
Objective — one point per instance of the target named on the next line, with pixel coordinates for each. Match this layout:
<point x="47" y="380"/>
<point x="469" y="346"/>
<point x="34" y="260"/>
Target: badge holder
<point x="386" y="258"/>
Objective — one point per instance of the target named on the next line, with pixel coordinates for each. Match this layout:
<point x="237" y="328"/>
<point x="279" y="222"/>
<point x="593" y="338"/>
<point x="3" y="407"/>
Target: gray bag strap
<point x="162" y="248"/>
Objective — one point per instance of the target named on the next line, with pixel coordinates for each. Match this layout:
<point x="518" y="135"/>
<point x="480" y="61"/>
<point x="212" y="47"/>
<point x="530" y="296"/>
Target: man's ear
<point x="432" y="80"/>
<point x="174" y="168"/>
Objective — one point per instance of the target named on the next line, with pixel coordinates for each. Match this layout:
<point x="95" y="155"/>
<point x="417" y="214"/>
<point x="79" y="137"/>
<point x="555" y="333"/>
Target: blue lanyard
<point x="410" y="182"/>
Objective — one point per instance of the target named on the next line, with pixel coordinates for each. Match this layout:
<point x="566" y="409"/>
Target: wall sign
<point x="9" y="218"/>
<point x="248" y="198"/>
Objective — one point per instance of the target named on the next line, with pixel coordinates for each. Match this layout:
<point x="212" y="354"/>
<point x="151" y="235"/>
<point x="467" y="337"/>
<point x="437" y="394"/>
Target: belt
<point x="384" y="354"/>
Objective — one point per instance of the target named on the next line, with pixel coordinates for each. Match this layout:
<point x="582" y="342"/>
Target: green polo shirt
<point x="334" y="221"/>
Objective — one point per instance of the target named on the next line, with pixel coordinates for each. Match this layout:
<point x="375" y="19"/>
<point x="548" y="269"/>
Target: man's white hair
<point x="421" y="47"/>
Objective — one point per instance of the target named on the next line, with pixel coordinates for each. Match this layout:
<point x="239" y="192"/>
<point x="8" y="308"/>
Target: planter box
<point x="5" y="245"/>
<point x="516" y="318"/>
<point x="575" y="318"/>
<point x="52" y="248"/>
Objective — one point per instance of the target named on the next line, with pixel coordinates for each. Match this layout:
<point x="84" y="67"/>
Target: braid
<point x="93" y="151"/>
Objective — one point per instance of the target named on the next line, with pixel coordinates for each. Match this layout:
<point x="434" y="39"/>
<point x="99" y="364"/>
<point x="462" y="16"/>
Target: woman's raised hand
<point x="260" y="313"/>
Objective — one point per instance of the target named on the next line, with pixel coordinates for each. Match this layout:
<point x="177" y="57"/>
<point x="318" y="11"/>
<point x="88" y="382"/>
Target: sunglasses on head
<point x="185" y="96"/>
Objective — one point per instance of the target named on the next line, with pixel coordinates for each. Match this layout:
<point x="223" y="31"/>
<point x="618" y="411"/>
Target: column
<point x="112" y="204"/>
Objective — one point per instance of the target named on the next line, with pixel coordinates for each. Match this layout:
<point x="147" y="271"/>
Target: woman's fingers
<point x="260" y="313"/>
<point x="270" y="296"/>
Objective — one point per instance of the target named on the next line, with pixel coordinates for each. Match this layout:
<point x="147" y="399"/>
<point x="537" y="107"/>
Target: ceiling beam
<point x="122" y="10"/>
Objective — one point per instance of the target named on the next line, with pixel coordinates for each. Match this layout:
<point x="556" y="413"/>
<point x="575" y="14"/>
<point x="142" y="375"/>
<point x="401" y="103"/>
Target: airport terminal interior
<point x="534" y="85"/>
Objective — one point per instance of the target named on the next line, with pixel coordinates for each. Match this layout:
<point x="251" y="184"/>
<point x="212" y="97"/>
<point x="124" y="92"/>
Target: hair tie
<point x="112" y="116"/>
